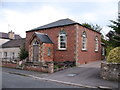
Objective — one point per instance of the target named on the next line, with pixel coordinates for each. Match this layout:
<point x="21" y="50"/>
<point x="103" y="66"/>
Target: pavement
<point x="86" y="75"/>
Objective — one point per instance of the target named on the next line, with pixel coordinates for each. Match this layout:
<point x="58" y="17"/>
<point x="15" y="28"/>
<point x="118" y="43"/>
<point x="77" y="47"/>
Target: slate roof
<point x="6" y="36"/>
<point x="14" y="43"/>
<point x="59" y="23"/>
<point x="43" y="37"/>
<point x="62" y="22"/>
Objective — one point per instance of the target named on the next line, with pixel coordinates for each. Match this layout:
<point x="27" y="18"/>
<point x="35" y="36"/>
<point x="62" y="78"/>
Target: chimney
<point x="11" y="35"/>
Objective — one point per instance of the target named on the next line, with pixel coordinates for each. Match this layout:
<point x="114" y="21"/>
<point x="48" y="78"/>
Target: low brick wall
<point x="110" y="71"/>
<point x="48" y="69"/>
<point x="39" y="69"/>
<point x="10" y="65"/>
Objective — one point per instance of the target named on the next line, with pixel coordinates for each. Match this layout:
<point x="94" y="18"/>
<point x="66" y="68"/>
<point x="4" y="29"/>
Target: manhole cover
<point x="72" y="75"/>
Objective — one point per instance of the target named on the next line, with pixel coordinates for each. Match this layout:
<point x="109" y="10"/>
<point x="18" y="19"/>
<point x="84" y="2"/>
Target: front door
<point x="35" y="53"/>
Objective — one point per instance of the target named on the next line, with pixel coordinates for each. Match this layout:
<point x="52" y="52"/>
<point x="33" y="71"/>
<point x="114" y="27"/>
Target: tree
<point x="114" y="35"/>
<point x="91" y="26"/>
<point x="23" y="54"/>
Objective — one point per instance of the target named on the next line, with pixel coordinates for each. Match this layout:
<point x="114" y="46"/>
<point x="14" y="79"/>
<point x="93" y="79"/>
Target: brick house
<point x="63" y="40"/>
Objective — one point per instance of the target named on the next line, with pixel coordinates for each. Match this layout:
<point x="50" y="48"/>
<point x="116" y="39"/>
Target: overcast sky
<point x="23" y="15"/>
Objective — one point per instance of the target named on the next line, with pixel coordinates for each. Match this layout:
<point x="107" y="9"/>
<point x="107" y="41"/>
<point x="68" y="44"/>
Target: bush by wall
<point x="114" y="55"/>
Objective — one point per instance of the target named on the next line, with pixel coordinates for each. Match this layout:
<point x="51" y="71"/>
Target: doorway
<point x="35" y="51"/>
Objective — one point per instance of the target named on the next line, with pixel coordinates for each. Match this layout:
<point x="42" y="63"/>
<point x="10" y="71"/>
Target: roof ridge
<point x="60" y="22"/>
<point x="14" y="43"/>
<point x="4" y="32"/>
<point x="7" y="33"/>
<point x="40" y="33"/>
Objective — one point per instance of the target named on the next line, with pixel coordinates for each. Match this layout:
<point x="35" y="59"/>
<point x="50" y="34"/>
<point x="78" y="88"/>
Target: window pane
<point x="62" y="45"/>
<point x="84" y="43"/>
<point x="84" y="40"/>
<point x="96" y="45"/>
<point x="5" y="54"/>
<point x="35" y="43"/>
<point x="83" y="46"/>
<point x="13" y="54"/>
<point x="49" y="51"/>
<point x="62" y="40"/>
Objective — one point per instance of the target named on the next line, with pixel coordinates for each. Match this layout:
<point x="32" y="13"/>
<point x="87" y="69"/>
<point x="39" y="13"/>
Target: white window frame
<point x="84" y="41"/>
<point x="62" y="33"/>
<point x="12" y="55"/>
<point x="103" y="50"/>
<point x="35" y="42"/>
<point x="96" y="44"/>
<point x="5" y="54"/>
<point x="49" y="52"/>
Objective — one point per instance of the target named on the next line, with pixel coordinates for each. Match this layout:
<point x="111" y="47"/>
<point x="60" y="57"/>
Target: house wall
<point x="47" y="57"/>
<point x="74" y="44"/>
<point x="9" y="53"/>
<point x="31" y="49"/>
<point x="59" y="55"/>
<point x="90" y="54"/>
<point x="43" y="51"/>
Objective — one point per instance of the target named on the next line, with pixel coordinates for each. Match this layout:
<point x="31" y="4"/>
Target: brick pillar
<point x="50" y="67"/>
<point x="76" y="45"/>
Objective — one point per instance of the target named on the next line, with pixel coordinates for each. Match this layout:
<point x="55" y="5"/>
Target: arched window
<point x="84" y="41"/>
<point x="35" y="42"/>
<point x="96" y="43"/>
<point x="62" y="40"/>
<point x="103" y="50"/>
<point x="49" y="52"/>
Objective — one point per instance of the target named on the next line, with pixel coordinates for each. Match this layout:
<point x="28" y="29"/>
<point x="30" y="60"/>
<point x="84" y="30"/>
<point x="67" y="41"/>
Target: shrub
<point x="108" y="49"/>
<point x="114" y="55"/>
<point x="23" y="54"/>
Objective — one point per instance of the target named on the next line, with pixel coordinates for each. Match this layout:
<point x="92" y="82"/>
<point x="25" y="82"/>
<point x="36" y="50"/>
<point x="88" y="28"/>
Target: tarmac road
<point x="17" y="81"/>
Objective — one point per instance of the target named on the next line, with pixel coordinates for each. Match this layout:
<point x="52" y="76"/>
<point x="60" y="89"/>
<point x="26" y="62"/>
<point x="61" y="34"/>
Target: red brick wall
<point x="67" y="55"/>
<point x="90" y="54"/>
<point x="39" y="69"/>
<point x="70" y="53"/>
<point x="45" y="52"/>
<point x="9" y="65"/>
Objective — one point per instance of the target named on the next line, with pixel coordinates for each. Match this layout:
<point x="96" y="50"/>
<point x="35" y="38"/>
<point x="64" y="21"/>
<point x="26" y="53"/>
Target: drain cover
<point x="72" y="75"/>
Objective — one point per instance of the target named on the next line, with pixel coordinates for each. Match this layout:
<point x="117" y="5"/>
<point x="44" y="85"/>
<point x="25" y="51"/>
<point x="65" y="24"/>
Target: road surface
<point x="17" y="81"/>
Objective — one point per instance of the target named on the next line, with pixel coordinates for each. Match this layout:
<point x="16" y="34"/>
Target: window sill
<point x="96" y="51"/>
<point x="62" y="49"/>
<point x="84" y="50"/>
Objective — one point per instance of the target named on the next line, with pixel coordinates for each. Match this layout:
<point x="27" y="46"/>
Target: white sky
<point x="23" y="15"/>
